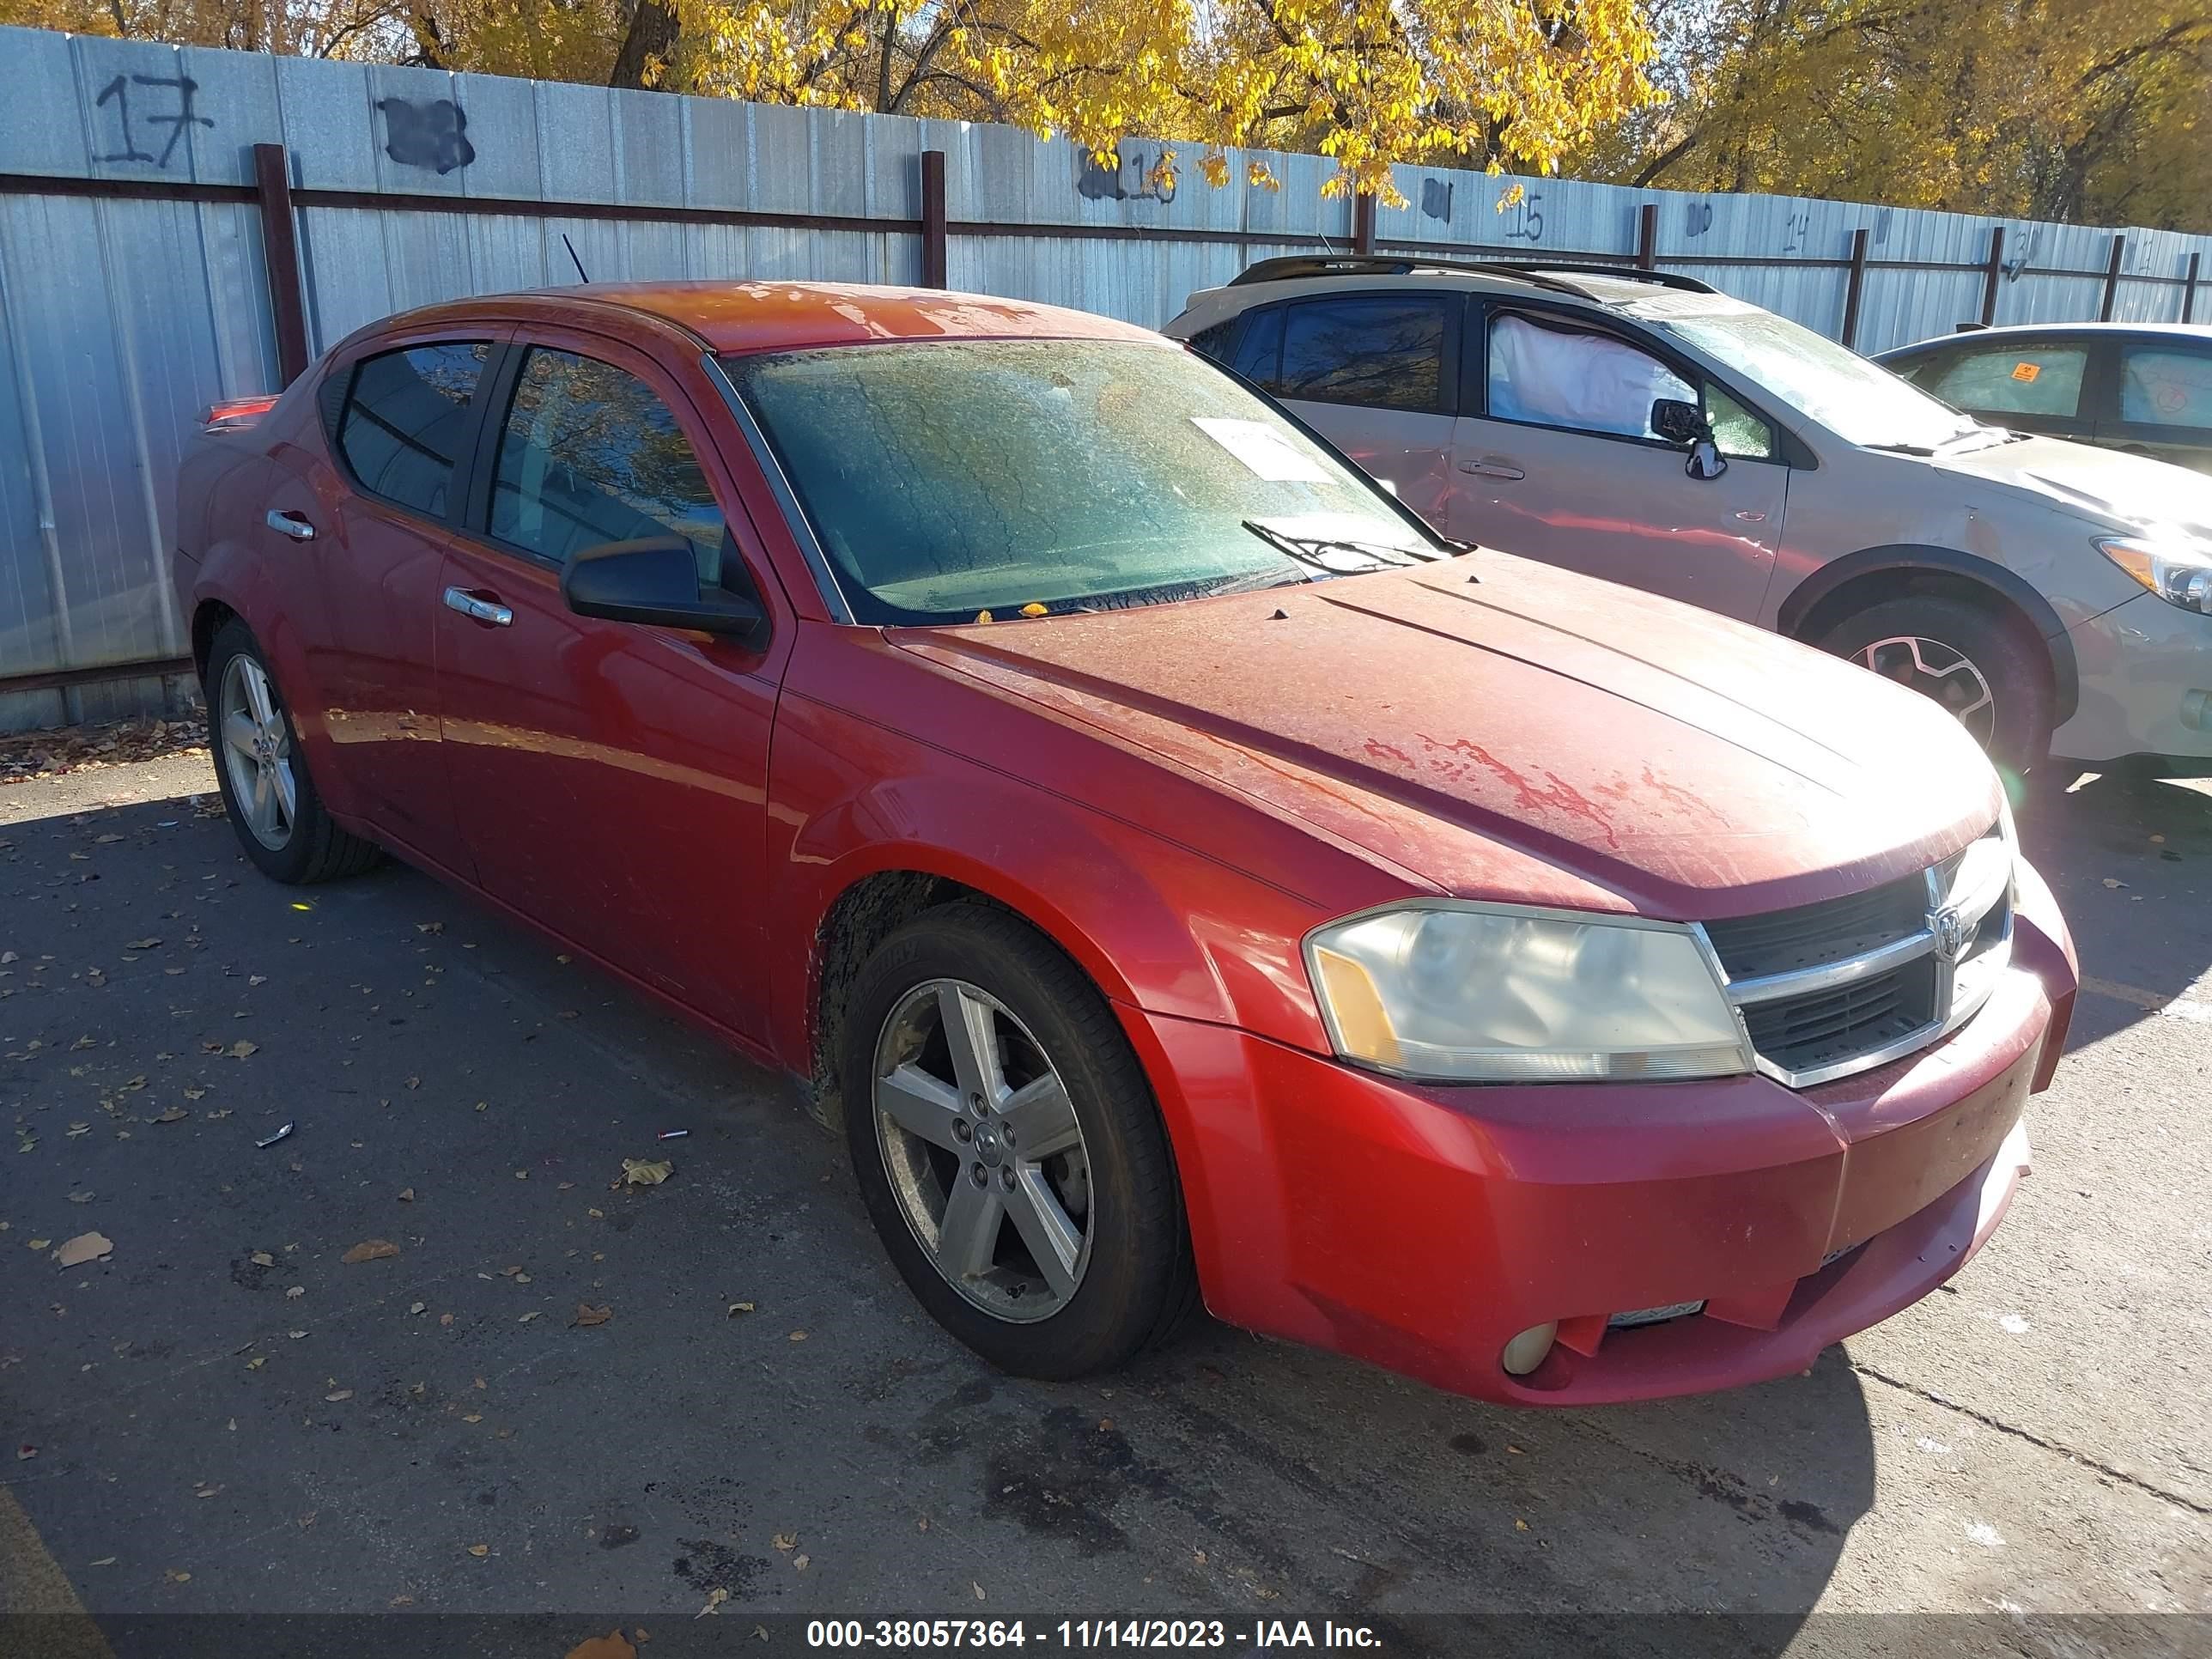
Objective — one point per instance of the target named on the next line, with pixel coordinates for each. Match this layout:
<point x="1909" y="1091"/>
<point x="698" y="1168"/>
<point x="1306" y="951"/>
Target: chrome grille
<point x="1847" y="984"/>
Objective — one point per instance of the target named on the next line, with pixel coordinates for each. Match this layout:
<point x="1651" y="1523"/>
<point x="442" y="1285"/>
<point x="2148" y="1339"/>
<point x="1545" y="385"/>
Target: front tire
<point x="1986" y="666"/>
<point x="262" y="772"/>
<point x="1008" y="1148"/>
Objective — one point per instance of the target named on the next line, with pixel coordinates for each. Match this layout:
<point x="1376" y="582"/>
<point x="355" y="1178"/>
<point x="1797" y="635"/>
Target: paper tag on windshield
<point x="1262" y="449"/>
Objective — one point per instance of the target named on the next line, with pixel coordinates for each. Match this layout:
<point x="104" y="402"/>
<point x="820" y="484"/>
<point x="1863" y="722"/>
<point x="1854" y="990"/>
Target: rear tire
<point x="262" y="772"/>
<point x="1984" y="665"/>
<point x="1077" y="1162"/>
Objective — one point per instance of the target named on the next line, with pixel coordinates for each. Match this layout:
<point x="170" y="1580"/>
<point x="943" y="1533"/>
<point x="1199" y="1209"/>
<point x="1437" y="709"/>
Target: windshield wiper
<point x="1317" y="551"/>
<point x="1922" y="450"/>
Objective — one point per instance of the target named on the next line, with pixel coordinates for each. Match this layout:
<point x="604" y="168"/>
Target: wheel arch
<point x="1845" y="587"/>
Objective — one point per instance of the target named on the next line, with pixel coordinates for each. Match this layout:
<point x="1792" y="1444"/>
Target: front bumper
<point x="1423" y="1228"/>
<point x="2146" y="696"/>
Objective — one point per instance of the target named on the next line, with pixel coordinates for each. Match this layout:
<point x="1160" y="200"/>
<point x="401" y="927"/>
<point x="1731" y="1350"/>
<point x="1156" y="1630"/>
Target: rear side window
<point x="590" y="453"/>
<point x="1378" y="351"/>
<point x="2012" y="380"/>
<point x="2166" y="388"/>
<point x="406" y="417"/>
<point x="1214" y="342"/>
<point x="1260" y="358"/>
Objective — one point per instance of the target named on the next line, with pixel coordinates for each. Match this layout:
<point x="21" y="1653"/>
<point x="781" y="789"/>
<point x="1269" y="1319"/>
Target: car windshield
<point x="1859" y="401"/>
<point x="945" y="478"/>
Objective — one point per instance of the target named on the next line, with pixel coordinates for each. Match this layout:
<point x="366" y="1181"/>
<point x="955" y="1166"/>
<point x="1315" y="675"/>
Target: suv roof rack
<point x="1556" y="277"/>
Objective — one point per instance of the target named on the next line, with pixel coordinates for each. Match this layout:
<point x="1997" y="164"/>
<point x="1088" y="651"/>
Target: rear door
<point x="400" y="419"/>
<point x="610" y="778"/>
<point x="1376" y="374"/>
<point x="2044" y="386"/>
<point x="2164" y="401"/>
<point x="1558" y="462"/>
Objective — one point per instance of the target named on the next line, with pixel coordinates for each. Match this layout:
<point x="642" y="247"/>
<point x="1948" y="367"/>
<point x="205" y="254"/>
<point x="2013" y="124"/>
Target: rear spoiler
<point x="234" y="414"/>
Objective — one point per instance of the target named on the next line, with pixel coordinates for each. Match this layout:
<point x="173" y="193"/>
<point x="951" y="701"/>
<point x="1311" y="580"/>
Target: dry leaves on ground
<point x="643" y="1172"/>
<point x="609" y="1646"/>
<point x="587" y="1314"/>
<point x="369" y="1249"/>
<point x="85" y="1247"/>
<point x="85" y="748"/>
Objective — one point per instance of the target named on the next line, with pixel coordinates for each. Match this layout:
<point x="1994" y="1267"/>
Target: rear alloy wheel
<point x="1007" y="1146"/>
<point x="262" y="776"/>
<point x="1986" y="667"/>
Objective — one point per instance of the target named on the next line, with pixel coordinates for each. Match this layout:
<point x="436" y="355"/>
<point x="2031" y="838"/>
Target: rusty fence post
<point x="2189" y="289"/>
<point x="2112" y="280"/>
<point x="1992" y="275"/>
<point x="1855" y="288"/>
<point x="280" y="252"/>
<point x="1647" y="237"/>
<point x="932" y="218"/>
<point x="1363" y="224"/>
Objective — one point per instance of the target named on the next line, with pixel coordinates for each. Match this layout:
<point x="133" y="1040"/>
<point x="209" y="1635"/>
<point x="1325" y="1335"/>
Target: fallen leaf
<point x="801" y="1562"/>
<point x="798" y="1336"/>
<point x="204" y="1490"/>
<point x="336" y="1395"/>
<point x="480" y="1551"/>
<point x="1519" y="1525"/>
<point x="296" y="1293"/>
<point x="2109" y="882"/>
<point x="786" y="1540"/>
<point x="142" y="944"/>
<point x="241" y="1049"/>
<point x="609" y="1646"/>
<point x="173" y="1114"/>
<point x="176" y="1577"/>
<point x="587" y="1314"/>
<point x="715" y="1597"/>
<point x="429" y="927"/>
<point x="41" y="1244"/>
<point x="737" y="1308"/>
<point x="978" y="1589"/>
<point x="262" y="1259"/>
<point x="85" y="1247"/>
<point x="406" y="1194"/>
<point x="25" y="1452"/>
<point x="415" y="1306"/>
<point x="444" y="1319"/>
<point x="638" y="1172"/>
<point x="369" y="1249"/>
<point x="104" y="1561"/>
<point x="510" y="1272"/>
<point x="473" y="1417"/>
<point x="256" y="1362"/>
<point x="528" y="1317"/>
<point x="81" y="1198"/>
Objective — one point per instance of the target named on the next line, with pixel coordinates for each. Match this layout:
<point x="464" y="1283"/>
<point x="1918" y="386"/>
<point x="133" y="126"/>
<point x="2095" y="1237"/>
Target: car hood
<point x="1462" y="719"/>
<point x="2133" y="489"/>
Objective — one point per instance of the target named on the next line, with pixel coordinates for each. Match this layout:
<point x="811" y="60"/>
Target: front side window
<point x="2012" y="380"/>
<point x="406" y="417"/>
<point x="949" y="477"/>
<point x="590" y="453"/>
<point x="1379" y="352"/>
<point x="2166" y="388"/>
<point x="1547" y="374"/>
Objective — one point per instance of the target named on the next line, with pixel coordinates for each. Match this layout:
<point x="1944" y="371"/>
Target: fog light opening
<point x="1526" y="1351"/>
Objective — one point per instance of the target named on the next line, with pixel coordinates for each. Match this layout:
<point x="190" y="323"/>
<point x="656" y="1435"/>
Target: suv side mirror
<point x="1685" y="425"/>
<point x="655" y="582"/>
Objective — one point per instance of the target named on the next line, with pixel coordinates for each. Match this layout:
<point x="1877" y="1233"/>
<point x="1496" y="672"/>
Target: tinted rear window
<point x="1380" y="353"/>
<point x="405" y="418"/>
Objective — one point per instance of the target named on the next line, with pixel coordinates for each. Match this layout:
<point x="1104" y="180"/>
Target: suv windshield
<point x="1860" y="402"/>
<point x="944" y="479"/>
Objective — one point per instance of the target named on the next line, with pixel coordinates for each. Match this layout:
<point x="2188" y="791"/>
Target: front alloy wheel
<point x="1941" y="673"/>
<point x="1007" y="1144"/>
<point x="983" y="1150"/>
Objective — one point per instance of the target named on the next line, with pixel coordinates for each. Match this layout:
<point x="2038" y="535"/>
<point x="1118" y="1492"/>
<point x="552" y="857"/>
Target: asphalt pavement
<point x="429" y="1353"/>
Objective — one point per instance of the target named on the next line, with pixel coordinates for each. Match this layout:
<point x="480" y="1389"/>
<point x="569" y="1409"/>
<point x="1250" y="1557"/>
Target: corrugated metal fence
<point x="137" y="230"/>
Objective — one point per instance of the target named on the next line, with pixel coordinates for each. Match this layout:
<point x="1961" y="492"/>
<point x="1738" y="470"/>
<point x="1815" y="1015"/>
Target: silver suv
<point x="1644" y="428"/>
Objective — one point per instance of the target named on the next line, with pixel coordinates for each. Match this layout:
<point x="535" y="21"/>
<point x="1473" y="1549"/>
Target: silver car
<point x="1643" y="428"/>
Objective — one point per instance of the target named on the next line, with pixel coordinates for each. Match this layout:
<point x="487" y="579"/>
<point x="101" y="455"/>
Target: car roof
<point x="739" y="317"/>
<point x="2052" y="332"/>
<point x="1571" y="282"/>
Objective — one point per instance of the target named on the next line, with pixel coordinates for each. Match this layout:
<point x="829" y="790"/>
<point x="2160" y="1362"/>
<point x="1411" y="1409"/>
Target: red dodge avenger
<point x="1180" y="874"/>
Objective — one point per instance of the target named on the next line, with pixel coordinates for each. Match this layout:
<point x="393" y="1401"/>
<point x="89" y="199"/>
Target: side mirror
<point x="1685" y="425"/>
<point x="655" y="582"/>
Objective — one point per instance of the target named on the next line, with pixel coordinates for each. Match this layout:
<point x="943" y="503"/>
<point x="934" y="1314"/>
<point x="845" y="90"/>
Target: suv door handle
<point x="1492" y="466"/>
<point x="484" y="610"/>
<point x="290" y="523"/>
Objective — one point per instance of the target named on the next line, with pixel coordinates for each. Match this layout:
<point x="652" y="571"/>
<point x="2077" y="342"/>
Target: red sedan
<point x="1177" y="872"/>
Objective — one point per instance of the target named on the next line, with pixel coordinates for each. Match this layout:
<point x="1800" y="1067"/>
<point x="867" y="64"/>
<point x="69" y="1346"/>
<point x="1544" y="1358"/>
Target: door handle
<point x="484" y="610"/>
<point x="1492" y="466"/>
<point x="290" y="523"/>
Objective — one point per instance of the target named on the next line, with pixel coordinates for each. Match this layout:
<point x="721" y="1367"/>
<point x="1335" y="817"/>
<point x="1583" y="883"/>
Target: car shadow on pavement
<point x="227" y="1415"/>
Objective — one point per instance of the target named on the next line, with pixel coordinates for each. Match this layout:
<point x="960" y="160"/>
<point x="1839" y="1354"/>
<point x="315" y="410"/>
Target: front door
<point x="2165" y="403"/>
<point x="1557" y="461"/>
<point x="610" y="778"/>
<point x="378" y="547"/>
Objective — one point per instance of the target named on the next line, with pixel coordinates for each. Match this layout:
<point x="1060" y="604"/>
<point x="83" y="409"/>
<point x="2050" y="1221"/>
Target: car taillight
<point x="234" y="412"/>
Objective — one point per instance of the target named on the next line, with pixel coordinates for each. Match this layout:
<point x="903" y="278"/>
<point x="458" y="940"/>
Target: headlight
<point x="1490" y="993"/>
<point x="2178" y="572"/>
